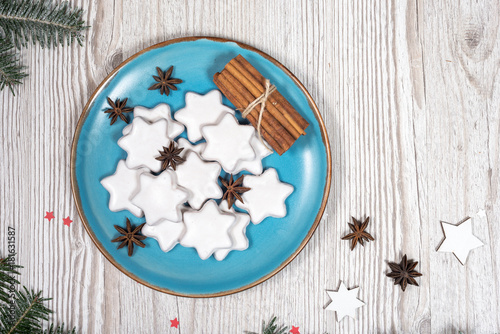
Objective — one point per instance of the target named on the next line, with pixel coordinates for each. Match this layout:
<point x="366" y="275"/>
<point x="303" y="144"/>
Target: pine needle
<point x="11" y="71"/>
<point x="59" y="330"/>
<point x="22" y="311"/>
<point x="41" y="21"/>
<point x="29" y="312"/>
<point x="271" y="328"/>
<point x="8" y="273"/>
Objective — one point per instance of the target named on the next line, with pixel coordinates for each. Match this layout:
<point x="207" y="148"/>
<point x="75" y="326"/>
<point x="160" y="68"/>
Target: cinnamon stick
<point x="223" y="85"/>
<point x="276" y="97"/>
<point x="282" y="136"/>
<point x="257" y="86"/>
<point x="239" y="73"/>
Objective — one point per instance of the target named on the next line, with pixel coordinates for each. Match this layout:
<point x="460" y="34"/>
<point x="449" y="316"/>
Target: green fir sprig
<point x="271" y="328"/>
<point x="22" y="311"/>
<point x="11" y="72"/>
<point x="38" y="21"/>
<point x="8" y="274"/>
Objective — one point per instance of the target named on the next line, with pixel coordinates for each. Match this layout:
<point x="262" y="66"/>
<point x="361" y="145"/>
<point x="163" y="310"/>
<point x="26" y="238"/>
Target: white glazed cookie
<point x="122" y="185"/>
<point x="160" y="197"/>
<point x="237" y="232"/>
<point x="267" y="196"/>
<point x="207" y="230"/>
<point x="254" y="166"/>
<point x="167" y="233"/>
<point x="228" y="142"/>
<point x="187" y="146"/>
<point x="161" y="111"/>
<point x="199" y="178"/>
<point x="144" y="142"/>
<point x="201" y="110"/>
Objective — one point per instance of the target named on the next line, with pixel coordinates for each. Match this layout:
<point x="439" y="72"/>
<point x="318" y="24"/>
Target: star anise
<point x="170" y="156"/>
<point x="358" y="233"/>
<point x="117" y="110"/>
<point x="233" y="190"/>
<point x="404" y="273"/>
<point x="164" y="82"/>
<point x="130" y="237"/>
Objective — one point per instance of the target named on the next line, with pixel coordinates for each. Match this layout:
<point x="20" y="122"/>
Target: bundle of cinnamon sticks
<point x="242" y="84"/>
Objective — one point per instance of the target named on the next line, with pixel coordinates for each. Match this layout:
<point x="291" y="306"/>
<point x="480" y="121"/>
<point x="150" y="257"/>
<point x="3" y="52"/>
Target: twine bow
<point x="262" y="101"/>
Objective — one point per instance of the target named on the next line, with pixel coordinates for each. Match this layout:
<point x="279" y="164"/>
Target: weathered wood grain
<point x="410" y="96"/>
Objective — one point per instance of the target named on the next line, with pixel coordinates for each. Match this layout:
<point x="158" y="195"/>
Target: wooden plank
<point x="409" y="94"/>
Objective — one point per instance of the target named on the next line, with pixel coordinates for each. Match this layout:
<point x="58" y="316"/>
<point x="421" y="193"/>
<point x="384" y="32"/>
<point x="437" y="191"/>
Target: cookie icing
<point x="160" y="111"/>
<point x="160" y="197"/>
<point x="188" y="146"/>
<point x="122" y="185"/>
<point x="237" y="232"/>
<point x="228" y="142"/>
<point x="201" y="110"/>
<point x="267" y="196"/>
<point x="254" y="166"/>
<point x="144" y="142"/>
<point x="166" y="233"/>
<point x="207" y="229"/>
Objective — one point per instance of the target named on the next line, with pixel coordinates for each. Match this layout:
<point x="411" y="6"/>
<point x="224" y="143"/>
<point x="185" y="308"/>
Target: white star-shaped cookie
<point x="266" y="197"/>
<point x="144" y="142"/>
<point x="237" y="232"/>
<point x="228" y="142"/>
<point x="187" y="146"/>
<point x="122" y="185"/>
<point x="459" y="239"/>
<point x="254" y="166"/>
<point x="161" y="111"/>
<point x="201" y="110"/>
<point x="160" y="197"/>
<point x="199" y="178"/>
<point x="344" y="302"/>
<point x="207" y="229"/>
<point x="167" y="233"/>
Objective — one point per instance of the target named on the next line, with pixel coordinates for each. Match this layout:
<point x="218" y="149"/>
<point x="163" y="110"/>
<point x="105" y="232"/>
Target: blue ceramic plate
<point x="273" y="243"/>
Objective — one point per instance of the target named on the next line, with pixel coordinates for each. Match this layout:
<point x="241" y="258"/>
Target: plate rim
<point x="76" y="193"/>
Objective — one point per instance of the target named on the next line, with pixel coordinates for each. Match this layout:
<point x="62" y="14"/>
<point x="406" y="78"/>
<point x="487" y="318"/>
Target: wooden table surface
<point x="409" y="92"/>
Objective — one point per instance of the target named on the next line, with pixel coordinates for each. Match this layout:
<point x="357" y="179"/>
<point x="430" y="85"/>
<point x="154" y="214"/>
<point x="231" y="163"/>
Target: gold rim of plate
<point x="76" y="193"/>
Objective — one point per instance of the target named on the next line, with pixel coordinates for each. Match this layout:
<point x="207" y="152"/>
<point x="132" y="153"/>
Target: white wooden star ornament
<point x="344" y="302"/>
<point x="459" y="239"/>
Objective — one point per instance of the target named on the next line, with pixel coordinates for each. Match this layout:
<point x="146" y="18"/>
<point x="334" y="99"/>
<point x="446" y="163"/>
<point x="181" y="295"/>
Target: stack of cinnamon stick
<point x="281" y="124"/>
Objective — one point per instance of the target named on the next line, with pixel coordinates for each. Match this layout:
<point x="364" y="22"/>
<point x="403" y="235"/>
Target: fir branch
<point x="22" y="311"/>
<point x="271" y="328"/>
<point x="29" y="312"/>
<point x="41" y="21"/>
<point x="11" y="72"/>
<point x="59" y="330"/>
<point x="8" y="273"/>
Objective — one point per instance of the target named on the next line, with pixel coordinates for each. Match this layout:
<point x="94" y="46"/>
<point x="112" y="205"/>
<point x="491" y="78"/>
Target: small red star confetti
<point x="294" y="330"/>
<point x="49" y="215"/>
<point x="67" y="221"/>
<point x="174" y="323"/>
